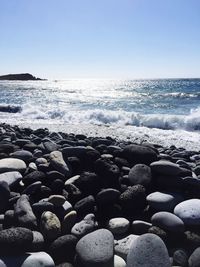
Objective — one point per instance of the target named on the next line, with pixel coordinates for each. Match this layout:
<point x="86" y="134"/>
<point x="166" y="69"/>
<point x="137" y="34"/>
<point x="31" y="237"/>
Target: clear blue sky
<point x="61" y="39"/>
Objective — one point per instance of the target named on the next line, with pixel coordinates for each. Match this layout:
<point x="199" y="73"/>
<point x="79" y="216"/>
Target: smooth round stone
<point x="63" y="248"/>
<point x="11" y="178"/>
<point x="96" y="249"/>
<point x="140" y="227"/>
<point x="168" y="222"/>
<point x="39" y="161"/>
<point x="139" y="154"/>
<point x="50" y="225"/>
<point x="118" y="225"/>
<point x="56" y="200"/>
<point x="107" y="196"/>
<point x="189" y="211"/>
<point x="119" y="262"/>
<point x="22" y="154"/>
<point x="35" y="259"/>
<point x="163" y="201"/>
<point x="69" y="221"/>
<point x="165" y="167"/>
<point x="140" y="174"/>
<point x="148" y="250"/>
<point x="122" y="246"/>
<point x="194" y="259"/>
<point x="11" y="164"/>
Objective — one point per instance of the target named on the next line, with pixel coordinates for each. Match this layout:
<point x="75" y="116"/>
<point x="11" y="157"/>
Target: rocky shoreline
<point x="71" y="200"/>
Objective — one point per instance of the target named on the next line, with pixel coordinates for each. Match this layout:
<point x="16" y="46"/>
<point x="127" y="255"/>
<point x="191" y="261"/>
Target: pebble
<point x="50" y="226"/>
<point x="140" y="174"/>
<point x="164" y="201"/>
<point x="85" y="226"/>
<point x="63" y="248"/>
<point x="15" y="240"/>
<point x="148" y="250"/>
<point x="11" y="164"/>
<point x="4" y="196"/>
<point x="165" y="167"/>
<point x="56" y="200"/>
<point x="96" y="249"/>
<point x="118" y="226"/>
<point x="24" y="214"/>
<point x="57" y="161"/>
<point x="119" y="262"/>
<point x="189" y="211"/>
<point x="194" y="259"/>
<point x="168" y="222"/>
<point x="69" y="221"/>
<point x="139" y="154"/>
<point x="11" y="178"/>
<point x="139" y="227"/>
<point x="122" y="246"/>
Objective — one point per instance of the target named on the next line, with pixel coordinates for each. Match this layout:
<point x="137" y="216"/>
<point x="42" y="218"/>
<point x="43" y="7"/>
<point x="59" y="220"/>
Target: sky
<point x="112" y="39"/>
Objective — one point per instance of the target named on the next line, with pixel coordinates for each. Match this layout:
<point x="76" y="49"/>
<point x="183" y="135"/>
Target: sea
<point x="160" y="111"/>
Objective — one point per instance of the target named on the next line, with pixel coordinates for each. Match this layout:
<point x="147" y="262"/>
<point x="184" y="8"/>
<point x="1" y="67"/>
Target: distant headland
<point x="20" y="77"/>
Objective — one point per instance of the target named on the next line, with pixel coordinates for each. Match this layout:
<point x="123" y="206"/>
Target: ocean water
<point x="156" y="107"/>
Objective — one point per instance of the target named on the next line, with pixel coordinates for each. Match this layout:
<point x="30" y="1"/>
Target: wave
<point x="190" y="122"/>
<point x="10" y="108"/>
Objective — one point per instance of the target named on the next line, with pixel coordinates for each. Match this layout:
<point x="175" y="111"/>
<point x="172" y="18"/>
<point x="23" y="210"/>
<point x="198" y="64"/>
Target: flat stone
<point x="11" y="178"/>
<point x="96" y="249"/>
<point x="148" y="250"/>
<point x="50" y="226"/>
<point x="164" y="201"/>
<point x="11" y="164"/>
<point x="168" y="222"/>
<point x="165" y="167"/>
<point x="118" y="225"/>
<point x="189" y="211"/>
<point x="122" y="246"/>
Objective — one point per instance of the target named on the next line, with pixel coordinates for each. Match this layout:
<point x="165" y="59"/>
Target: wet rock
<point x="57" y="161"/>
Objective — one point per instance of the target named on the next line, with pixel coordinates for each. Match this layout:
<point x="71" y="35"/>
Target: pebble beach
<point x="68" y="199"/>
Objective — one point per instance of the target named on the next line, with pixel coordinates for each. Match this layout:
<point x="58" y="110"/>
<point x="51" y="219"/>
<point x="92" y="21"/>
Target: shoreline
<point x="179" y="138"/>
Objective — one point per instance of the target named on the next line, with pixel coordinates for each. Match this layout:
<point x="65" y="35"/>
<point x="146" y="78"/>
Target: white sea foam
<point x="108" y="117"/>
